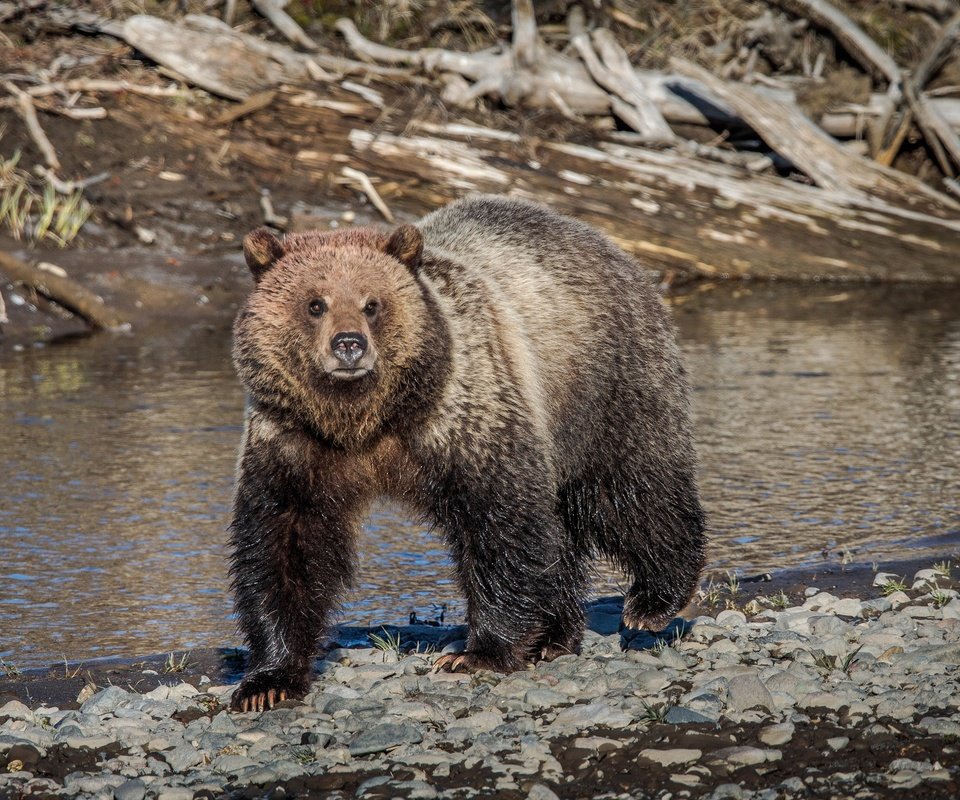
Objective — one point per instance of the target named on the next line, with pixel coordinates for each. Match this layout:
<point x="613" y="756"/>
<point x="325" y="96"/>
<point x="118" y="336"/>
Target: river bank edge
<point x="850" y="687"/>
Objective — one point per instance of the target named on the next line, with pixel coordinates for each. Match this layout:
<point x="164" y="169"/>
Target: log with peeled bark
<point x="676" y="212"/>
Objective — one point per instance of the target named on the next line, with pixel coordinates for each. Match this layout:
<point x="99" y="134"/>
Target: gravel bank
<point x="832" y="698"/>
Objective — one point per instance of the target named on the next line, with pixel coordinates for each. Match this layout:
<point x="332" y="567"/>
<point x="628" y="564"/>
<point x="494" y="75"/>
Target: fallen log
<point x="64" y="292"/>
<point x="676" y="212"/>
<point x="788" y="131"/>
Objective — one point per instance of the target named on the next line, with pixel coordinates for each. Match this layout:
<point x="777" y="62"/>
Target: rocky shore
<point x="834" y="697"/>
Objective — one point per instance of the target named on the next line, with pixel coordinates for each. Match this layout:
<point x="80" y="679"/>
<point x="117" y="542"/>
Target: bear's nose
<point x="348" y="348"/>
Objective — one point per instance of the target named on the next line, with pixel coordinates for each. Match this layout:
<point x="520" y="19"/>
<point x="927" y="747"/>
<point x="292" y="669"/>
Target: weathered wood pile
<point x="776" y="195"/>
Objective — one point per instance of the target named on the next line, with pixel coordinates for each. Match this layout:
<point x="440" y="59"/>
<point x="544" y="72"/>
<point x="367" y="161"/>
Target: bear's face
<point x="332" y="322"/>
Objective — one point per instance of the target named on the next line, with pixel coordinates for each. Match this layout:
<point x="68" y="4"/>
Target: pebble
<point x="776" y="735"/>
<point x="384" y="736"/>
<point x="669" y="758"/>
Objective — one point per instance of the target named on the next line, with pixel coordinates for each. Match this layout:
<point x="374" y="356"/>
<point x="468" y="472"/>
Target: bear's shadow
<point x="603" y="618"/>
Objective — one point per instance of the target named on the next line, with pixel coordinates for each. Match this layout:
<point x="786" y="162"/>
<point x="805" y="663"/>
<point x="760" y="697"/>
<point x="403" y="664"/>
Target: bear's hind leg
<point x="653" y="529"/>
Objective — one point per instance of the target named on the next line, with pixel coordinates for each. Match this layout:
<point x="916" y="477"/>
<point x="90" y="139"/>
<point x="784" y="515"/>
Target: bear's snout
<point x="348" y="348"/>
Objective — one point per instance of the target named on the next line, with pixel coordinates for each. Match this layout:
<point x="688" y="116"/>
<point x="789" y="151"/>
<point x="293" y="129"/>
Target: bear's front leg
<point x="293" y="554"/>
<point x="518" y="568"/>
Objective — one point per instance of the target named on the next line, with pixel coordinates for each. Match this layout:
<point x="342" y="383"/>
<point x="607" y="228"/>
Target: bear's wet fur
<point x="512" y="377"/>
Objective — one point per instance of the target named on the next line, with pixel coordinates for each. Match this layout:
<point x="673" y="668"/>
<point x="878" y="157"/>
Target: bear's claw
<point x="261" y="701"/>
<point x="262" y="691"/>
<point x="468" y="662"/>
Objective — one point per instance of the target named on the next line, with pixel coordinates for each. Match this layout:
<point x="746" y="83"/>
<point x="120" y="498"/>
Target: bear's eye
<point x="371" y="308"/>
<point x="316" y="308"/>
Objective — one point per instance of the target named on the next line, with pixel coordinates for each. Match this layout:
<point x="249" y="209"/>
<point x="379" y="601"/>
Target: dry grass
<point x="37" y="213"/>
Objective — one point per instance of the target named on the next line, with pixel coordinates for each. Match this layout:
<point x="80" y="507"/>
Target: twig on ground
<point x="69" y="187"/>
<point x="95" y="85"/>
<point x="367" y="187"/>
<point x="255" y="102"/>
<point x="27" y="111"/>
<point x="284" y="23"/>
<point x="270" y="216"/>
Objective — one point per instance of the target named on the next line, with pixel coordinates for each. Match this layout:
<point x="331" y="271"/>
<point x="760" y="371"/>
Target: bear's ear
<point x="406" y="245"/>
<point x="262" y="250"/>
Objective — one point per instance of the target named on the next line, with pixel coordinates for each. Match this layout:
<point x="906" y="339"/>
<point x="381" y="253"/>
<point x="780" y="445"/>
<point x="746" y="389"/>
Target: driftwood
<point x="24" y="106"/>
<point x="870" y="55"/>
<point x="283" y="22"/>
<point x="678" y="99"/>
<point x="64" y="292"/>
<point x="935" y="126"/>
<point x="676" y="212"/>
<point x="830" y="166"/>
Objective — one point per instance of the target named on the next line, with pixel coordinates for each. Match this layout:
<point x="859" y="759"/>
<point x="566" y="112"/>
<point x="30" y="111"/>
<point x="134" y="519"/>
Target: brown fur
<point x="520" y="388"/>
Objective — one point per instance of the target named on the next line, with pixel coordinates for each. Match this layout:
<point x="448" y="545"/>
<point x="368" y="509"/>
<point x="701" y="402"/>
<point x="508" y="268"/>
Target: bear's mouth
<point x="349" y="374"/>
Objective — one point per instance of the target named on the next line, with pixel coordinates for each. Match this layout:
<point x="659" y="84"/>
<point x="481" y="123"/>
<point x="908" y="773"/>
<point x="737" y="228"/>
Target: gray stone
<point x="927" y="654"/>
<point x="174" y="793"/>
<point x="372" y="783"/>
<point x="678" y="715"/>
<point x="828" y="626"/>
<point x="728" y="791"/>
<point x="731" y="618"/>
<point x="222" y="723"/>
<point x="671" y="658"/>
<point x="740" y="756"/>
<point x="544" y="698"/>
<point x="183" y="757"/>
<point x="384" y="737"/>
<point x="776" y="735"/>
<point x="540" y="792"/>
<point x="106" y="701"/>
<point x="17" y="710"/>
<point x="836" y="743"/>
<point x="747" y="691"/>
<point x="937" y="726"/>
<point x="134" y="789"/>
<point x="591" y="714"/>
<point x="668" y="758"/>
<point x="881" y="579"/>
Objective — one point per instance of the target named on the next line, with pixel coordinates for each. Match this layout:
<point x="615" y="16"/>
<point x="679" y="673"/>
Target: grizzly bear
<point x="507" y="373"/>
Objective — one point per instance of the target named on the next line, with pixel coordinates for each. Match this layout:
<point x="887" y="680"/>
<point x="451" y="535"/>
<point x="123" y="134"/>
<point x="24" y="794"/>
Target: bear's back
<point x="582" y="318"/>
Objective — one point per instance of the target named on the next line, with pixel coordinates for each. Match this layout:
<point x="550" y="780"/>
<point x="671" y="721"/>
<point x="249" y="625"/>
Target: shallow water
<point x="827" y="418"/>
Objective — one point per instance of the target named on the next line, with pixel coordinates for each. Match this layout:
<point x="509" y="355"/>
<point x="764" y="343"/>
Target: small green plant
<point x="733" y="583"/>
<point x="943" y="568"/>
<point x="711" y="594"/>
<point x="780" y="600"/>
<point x="893" y="586"/>
<point x="654" y="713"/>
<point x="940" y="597"/>
<point x="173" y="665"/>
<point x="844" y="663"/>
<point x="388" y="642"/>
<point x="9" y="670"/>
<point x="304" y="755"/>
